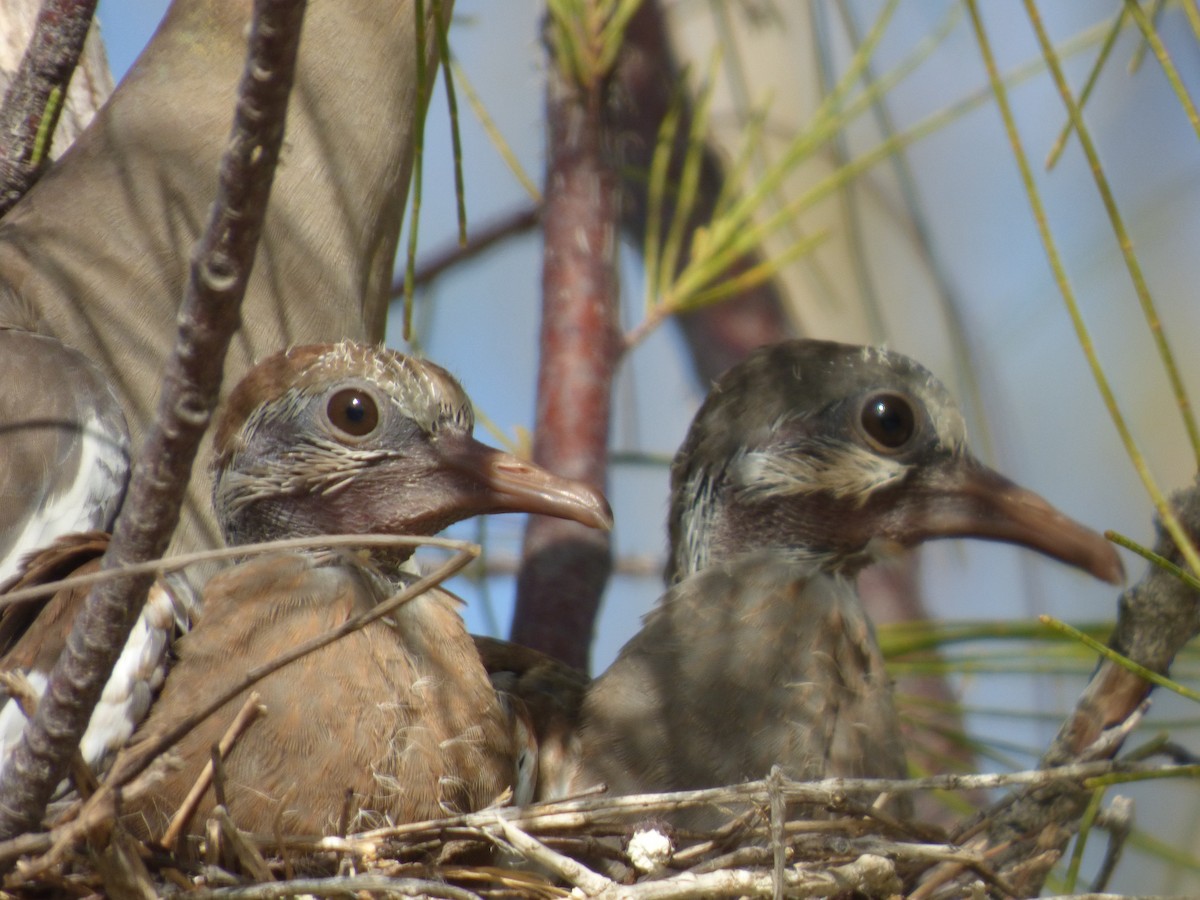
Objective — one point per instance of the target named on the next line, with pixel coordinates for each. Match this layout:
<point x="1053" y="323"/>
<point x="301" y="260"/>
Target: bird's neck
<point x="267" y="520"/>
<point x="709" y="526"/>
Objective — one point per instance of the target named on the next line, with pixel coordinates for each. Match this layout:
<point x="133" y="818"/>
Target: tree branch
<point x="566" y="565"/>
<point x="517" y="221"/>
<point x="1156" y="617"/>
<point x="35" y="96"/>
<point x="646" y="77"/>
<point x="220" y="269"/>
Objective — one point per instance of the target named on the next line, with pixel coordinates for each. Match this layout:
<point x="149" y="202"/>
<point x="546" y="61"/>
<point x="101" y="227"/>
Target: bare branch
<point x="518" y="221"/>
<point x="35" y="97"/>
<point x="219" y="272"/>
<point x="566" y="566"/>
<point x="1157" y="616"/>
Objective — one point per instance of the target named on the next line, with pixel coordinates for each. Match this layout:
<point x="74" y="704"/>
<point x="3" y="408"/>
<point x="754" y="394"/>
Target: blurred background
<point x="932" y="249"/>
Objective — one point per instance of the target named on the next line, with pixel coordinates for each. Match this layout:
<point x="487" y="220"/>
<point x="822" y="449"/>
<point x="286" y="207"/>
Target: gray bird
<point x="806" y="462"/>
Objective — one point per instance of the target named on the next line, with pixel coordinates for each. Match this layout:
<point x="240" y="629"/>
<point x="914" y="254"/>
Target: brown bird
<point x="332" y="439"/>
<point x="806" y="462"/>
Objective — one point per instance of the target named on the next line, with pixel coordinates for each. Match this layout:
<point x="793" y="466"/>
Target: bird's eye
<point x="353" y="411"/>
<point x="888" y="420"/>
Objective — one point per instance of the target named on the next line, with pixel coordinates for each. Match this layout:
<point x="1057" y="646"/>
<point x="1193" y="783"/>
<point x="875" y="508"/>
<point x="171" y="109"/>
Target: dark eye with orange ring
<point x="888" y="420"/>
<point x="353" y="412"/>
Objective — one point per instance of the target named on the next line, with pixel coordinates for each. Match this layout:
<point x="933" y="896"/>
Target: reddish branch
<point x="566" y="566"/>
<point x="211" y="313"/>
<point x="49" y="61"/>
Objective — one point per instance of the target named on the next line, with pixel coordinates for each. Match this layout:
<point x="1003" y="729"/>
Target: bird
<point x="66" y="455"/>
<point x="94" y="258"/>
<point x="67" y="464"/>
<point x="34" y="632"/>
<point x="544" y="697"/>
<point x="807" y="461"/>
<point x="331" y="439"/>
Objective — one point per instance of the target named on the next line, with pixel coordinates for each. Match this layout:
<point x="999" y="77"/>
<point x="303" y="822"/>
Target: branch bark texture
<point x="566" y="566"/>
<point x="1156" y="617"/>
<point x="50" y="59"/>
<point x="219" y="272"/>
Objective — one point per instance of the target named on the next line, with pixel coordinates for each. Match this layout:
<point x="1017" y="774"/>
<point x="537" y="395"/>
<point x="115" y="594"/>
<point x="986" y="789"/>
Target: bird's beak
<point x="964" y="498"/>
<point x="501" y="482"/>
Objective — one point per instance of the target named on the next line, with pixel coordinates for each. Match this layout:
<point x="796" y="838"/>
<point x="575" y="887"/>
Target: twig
<point x="35" y="96"/>
<point x="1118" y="820"/>
<point x="482" y="239"/>
<point x="249" y="712"/>
<point x="590" y="812"/>
<point x="778" y="812"/>
<point x="376" y="885"/>
<point x="277" y="823"/>
<point x="242" y="551"/>
<point x="591" y="883"/>
<point x="247" y="854"/>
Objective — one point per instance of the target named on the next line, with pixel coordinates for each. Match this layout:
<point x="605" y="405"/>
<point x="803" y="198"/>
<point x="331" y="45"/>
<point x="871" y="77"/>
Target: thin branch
<point x="341" y="886"/>
<point x="251" y="710"/>
<point x="35" y="96"/>
<point x="647" y="75"/>
<point x="480" y="240"/>
<point x="211" y="313"/>
<point x="180" y="561"/>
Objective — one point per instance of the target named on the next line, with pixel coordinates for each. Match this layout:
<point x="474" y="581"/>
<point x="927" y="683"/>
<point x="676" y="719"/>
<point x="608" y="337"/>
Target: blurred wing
<point x="545" y="700"/>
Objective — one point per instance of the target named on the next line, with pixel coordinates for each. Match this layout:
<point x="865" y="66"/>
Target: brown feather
<point x="400" y="713"/>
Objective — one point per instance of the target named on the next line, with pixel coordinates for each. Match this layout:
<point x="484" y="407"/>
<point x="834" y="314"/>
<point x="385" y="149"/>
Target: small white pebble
<point x="649" y="850"/>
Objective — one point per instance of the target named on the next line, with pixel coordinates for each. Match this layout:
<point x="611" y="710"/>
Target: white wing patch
<point x="127" y="695"/>
<point x="88" y="502"/>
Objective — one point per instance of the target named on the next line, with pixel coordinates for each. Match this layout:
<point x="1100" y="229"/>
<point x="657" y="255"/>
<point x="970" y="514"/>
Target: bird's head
<point x="835" y="453"/>
<point x="350" y="439"/>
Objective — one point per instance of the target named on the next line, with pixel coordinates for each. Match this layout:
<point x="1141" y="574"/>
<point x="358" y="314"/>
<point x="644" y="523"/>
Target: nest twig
<point x="839" y="844"/>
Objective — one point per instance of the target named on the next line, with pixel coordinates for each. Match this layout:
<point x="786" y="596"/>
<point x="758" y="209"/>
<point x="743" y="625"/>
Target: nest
<point x="780" y="838"/>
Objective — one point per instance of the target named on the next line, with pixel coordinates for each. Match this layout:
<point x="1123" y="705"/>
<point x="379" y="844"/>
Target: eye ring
<point x="888" y="421"/>
<point x="353" y="412"/>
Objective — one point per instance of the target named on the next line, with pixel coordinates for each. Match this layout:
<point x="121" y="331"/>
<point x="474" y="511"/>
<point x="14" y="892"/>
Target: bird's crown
<point x="805" y="416"/>
<point x="428" y="394"/>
